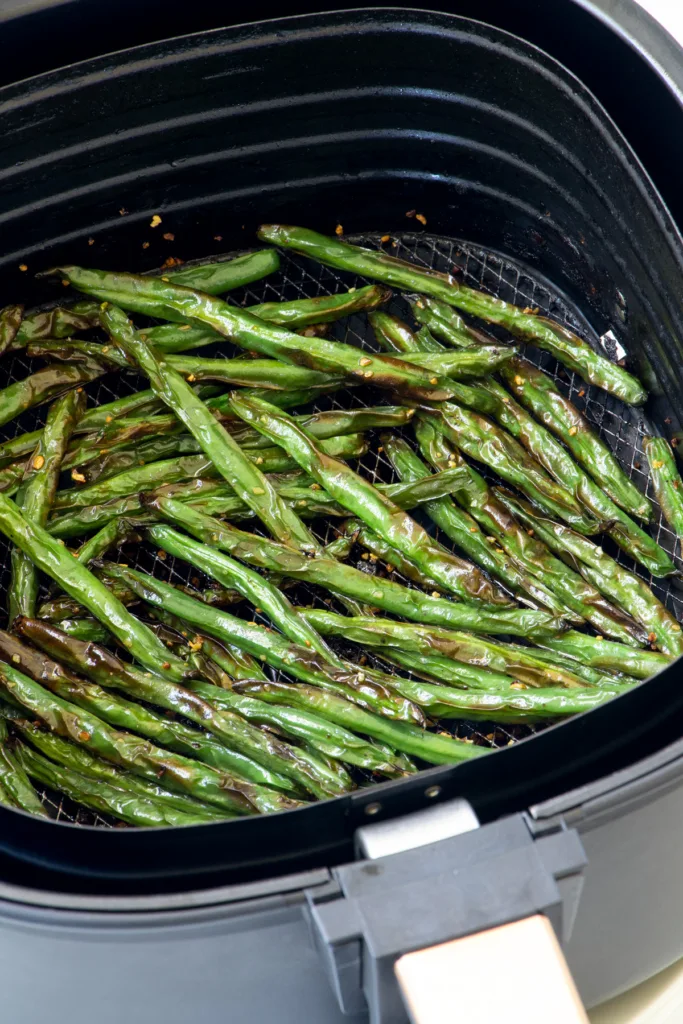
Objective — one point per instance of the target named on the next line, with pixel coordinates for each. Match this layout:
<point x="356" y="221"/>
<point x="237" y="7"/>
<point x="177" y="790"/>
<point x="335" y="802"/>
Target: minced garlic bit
<point x="339" y="230"/>
<point x="519" y="380"/>
<point x="155" y="221"/>
<point x="573" y="430"/>
<point x="257" y="490"/>
<point x="365" y="361"/>
<point x="16" y="659"/>
<point x="38" y="462"/>
<point x="435" y="593"/>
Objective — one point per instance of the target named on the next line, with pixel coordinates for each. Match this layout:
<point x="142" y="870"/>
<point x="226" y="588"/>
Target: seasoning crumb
<point x="657" y="463"/>
<point x="108" y="419"/>
<point x="581" y="393"/>
<point x="166" y="279"/>
<point x="422" y="219"/>
<point x="385" y="238"/>
<point x="636" y="465"/>
<point x="166" y="664"/>
<point x="155" y="221"/>
<point x="368" y="373"/>
<point x="38" y="462"/>
<point x="84" y="736"/>
<point x="518" y="380"/>
<point x="16" y="659"/>
<point x="65" y="283"/>
<point x="145" y="245"/>
<point x="435" y="593"/>
<point x="257" y="490"/>
<point x="530" y="532"/>
<point x="339" y="230"/>
<point x="218" y="238"/>
<point x="123" y="211"/>
<point x="78" y="477"/>
<point x="91" y="241"/>
<point x="162" y="555"/>
<point x="572" y="431"/>
<point x="169" y="236"/>
<point x="365" y="361"/>
<point x="22" y="266"/>
<point x="652" y="637"/>
<point x="365" y="556"/>
<point x="172" y="261"/>
<point x="411" y="213"/>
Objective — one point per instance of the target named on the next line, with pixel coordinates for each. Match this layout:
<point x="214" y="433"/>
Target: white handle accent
<point x="515" y="973"/>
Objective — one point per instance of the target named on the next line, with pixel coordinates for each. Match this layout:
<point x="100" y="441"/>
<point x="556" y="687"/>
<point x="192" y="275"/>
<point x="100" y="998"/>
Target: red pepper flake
<point x="339" y="230"/>
<point x="171" y="261"/>
<point x="169" y="236"/>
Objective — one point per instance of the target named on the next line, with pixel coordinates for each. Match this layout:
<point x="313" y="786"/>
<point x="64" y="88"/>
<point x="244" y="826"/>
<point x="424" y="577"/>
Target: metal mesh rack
<point x="620" y="426"/>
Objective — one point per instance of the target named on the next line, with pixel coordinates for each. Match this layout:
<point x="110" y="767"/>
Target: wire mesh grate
<point x="621" y="427"/>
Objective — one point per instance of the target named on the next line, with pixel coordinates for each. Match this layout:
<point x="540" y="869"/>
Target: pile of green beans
<point x="232" y="699"/>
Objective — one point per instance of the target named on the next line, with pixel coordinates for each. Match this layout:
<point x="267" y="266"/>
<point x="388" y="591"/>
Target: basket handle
<point x="516" y="972"/>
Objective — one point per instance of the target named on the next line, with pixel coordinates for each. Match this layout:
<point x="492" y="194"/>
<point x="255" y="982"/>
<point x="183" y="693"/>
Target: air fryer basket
<point x="526" y="187"/>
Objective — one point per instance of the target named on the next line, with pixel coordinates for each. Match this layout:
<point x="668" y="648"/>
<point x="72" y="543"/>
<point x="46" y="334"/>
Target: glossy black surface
<point x="357" y="118"/>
